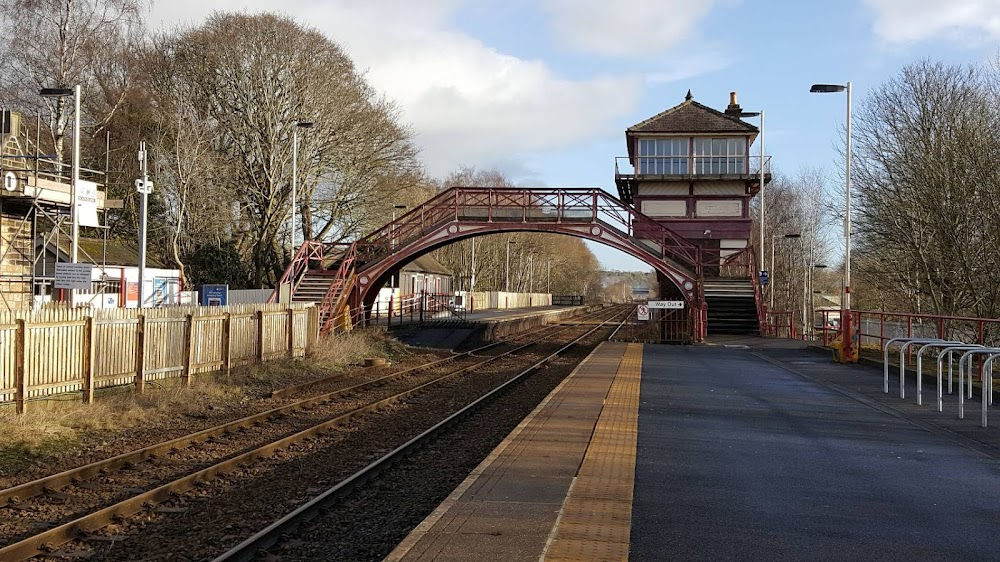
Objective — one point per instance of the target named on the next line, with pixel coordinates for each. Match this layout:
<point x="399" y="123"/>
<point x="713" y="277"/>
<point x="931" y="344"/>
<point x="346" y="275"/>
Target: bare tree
<point x="926" y="186"/>
<point x="252" y="79"/>
<point x="62" y="43"/>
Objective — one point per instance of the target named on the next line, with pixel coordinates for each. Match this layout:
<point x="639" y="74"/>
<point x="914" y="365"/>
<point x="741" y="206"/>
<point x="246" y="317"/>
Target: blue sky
<point x="544" y="89"/>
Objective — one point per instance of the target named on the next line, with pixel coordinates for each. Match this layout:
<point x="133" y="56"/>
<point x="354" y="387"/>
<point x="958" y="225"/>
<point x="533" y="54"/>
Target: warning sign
<point x="643" y="312"/>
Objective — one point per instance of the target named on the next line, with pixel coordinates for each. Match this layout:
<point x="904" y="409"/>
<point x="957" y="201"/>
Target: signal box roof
<point x="692" y="117"/>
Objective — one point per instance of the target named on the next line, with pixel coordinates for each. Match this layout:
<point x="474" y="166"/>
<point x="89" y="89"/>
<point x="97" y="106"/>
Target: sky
<point x="543" y="90"/>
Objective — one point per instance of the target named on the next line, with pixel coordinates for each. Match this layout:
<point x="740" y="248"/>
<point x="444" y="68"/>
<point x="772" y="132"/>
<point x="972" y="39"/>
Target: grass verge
<point x="63" y="425"/>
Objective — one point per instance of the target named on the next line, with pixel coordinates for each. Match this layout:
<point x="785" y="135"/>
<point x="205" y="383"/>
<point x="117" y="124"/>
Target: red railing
<point x="338" y="293"/>
<point x="545" y="205"/>
<point x="309" y="251"/>
<point x="779" y="324"/>
<point x="874" y="328"/>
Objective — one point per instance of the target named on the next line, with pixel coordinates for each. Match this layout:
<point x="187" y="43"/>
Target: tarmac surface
<point x="765" y="450"/>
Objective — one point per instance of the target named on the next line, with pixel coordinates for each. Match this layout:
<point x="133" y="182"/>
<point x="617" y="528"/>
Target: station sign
<point x="643" y="312"/>
<point x="671" y="305"/>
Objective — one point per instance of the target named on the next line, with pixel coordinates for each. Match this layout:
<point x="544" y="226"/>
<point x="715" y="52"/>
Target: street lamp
<point x="846" y="306"/>
<point x="761" y="143"/>
<point x="75" y="93"/>
<point x="812" y="298"/>
<point x="74" y="186"/>
<point x="392" y="280"/>
<point x="531" y="271"/>
<point x="295" y="165"/>
<point x="770" y="306"/>
<point x="506" y="286"/>
<point x="548" y="279"/>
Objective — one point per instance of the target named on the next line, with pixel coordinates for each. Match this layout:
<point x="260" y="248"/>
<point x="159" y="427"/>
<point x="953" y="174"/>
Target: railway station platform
<point x="753" y="449"/>
<point x="484" y="325"/>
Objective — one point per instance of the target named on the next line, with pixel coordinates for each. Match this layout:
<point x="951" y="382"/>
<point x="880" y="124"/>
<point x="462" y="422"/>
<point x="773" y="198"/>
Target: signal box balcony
<point x="632" y="172"/>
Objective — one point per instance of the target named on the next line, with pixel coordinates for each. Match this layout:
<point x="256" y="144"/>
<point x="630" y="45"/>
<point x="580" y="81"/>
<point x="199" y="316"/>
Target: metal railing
<point x="512" y="205"/>
<point x="698" y="165"/>
<point x="875" y="327"/>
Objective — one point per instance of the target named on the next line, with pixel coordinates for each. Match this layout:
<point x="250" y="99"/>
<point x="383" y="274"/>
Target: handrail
<point x="308" y="251"/>
<point x="339" y="287"/>
<point x="572" y="205"/>
<point x="692" y="165"/>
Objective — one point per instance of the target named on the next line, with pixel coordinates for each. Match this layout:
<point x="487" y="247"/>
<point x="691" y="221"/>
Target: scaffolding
<point x="36" y="188"/>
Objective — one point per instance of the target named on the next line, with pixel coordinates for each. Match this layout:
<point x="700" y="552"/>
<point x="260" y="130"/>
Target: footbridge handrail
<point x="536" y="205"/>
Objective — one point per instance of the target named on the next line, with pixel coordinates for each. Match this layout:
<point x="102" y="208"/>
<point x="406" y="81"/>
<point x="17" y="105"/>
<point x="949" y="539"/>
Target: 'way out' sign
<point x="675" y="305"/>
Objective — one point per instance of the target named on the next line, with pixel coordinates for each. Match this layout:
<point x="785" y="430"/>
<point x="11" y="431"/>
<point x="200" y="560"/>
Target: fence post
<point x="188" y="336"/>
<point x="21" y="392"/>
<point x="140" y="354"/>
<point x="88" y="360"/>
<point x="260" y="336"/>
<point x="291" y="333"/>
<point x="227" y="334"/>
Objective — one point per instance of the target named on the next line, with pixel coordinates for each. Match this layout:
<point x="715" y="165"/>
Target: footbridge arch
<point x="465" y="212"/>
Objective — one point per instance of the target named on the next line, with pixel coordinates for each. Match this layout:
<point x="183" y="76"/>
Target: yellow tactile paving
<point x="597" y="516"/>
<point x="507" y="508"/>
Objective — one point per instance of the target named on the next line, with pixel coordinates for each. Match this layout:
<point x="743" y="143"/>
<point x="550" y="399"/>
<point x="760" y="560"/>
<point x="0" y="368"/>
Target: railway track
<point x="280" y="530"/>
<point x="49" y="512"/>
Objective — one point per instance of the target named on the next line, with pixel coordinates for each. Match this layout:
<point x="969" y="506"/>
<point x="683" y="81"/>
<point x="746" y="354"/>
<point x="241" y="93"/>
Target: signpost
<point x="73" y="275"/>
<point x="643" y="312"/>
<point x="764" y="277"/>
<point x="214" y="295"/>
<point x="671" y="305"/>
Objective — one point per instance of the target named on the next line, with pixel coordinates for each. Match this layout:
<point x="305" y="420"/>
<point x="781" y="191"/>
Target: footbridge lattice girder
<point x="371" y="277"/>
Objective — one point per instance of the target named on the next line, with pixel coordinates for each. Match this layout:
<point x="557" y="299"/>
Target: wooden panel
<point x="164" y="347"/>
<point x="720" y="188"/>
<point x="664" y="208"/>
<point x="719" y="208"/>
<point x="206" y="344"/>
<point x="53" y="358"/>
<point x="8" y="353"/>
<point x="114" y="351"/>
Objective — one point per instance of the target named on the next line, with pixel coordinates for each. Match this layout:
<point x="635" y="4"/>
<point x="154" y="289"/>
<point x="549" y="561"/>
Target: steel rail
<point x="59" y="480"/>
<point x="48" y="540"/>
<point x="250" y="548"/>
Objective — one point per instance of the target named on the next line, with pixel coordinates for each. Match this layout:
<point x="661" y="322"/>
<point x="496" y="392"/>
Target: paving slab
<point x="762" y="451"/>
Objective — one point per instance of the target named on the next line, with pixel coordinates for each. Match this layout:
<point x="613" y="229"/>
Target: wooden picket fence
<point x="58" y="351"/>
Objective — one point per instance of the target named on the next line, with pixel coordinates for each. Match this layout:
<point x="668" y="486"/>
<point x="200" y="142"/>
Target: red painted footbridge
<point x="348" y="276"/>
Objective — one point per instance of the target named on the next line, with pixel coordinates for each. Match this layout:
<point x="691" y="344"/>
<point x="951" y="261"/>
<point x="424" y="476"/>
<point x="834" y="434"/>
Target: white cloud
<point x="639" y="27"/>
<point x="911" y="21"/>
<point x="467" y="103"/>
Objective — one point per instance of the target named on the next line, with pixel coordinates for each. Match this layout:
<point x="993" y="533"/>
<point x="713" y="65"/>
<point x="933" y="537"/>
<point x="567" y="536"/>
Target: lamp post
<point x="760" y="114"/>
<point x="506" y="286"/>
<point x="74" y="186"/>
<point x="392" y="280"/>
<point x="845" y="315"/>
<point x="531" y="271"/>
<point x="812" y="299"/>
<point x="295" y="165"/>
<point x="771" y="282"/>
<point x="548" y="279"/>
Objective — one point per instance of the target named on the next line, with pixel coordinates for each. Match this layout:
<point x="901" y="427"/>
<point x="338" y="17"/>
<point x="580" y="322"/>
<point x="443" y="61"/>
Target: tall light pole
<point x="392" y="280"/>
<point x="845" y="316"/>
<point x="771" y="282"/>
<point x="472" y="277"/>
<point x="295" y="165"/>
<point x="760" y="253"/>
<point x="145" y="187"/>
<point x="74" y="186"/>
<point x="548" y="279"/>
<point x="531" y="271"/>
<point x="506" y="286"/>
